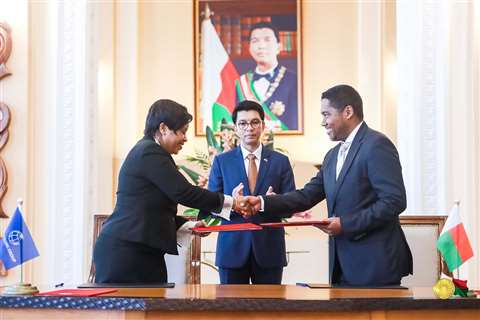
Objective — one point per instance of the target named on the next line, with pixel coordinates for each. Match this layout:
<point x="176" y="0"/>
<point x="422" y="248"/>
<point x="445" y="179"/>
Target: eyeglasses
<point x="255" y="124"/>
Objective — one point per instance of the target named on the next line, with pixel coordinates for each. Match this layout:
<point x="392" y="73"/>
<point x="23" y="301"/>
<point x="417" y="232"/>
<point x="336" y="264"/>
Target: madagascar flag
<point x="218" y="79"/>
<point x="453" y="242"/>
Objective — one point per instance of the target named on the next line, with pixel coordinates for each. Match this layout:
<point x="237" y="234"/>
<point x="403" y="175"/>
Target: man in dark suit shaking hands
<point x="361" y="179"/>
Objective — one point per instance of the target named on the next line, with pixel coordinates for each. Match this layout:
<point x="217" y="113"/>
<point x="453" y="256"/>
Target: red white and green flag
<point x="218" y="79"/>
<point x="453" y="241"/>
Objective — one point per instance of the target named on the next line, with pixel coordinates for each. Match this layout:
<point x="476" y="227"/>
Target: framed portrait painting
<point x="248" y="50"/>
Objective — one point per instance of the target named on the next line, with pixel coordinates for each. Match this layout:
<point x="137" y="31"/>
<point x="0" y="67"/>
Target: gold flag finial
<point x="207" y="13"/>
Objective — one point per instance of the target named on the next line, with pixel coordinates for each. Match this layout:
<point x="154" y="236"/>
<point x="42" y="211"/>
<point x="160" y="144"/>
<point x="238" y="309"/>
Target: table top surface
<point x="285" y="292"/>
<point x="247" y="298"/>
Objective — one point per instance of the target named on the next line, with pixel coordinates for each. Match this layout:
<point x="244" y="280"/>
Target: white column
<point x="65" y="157"/>
<point x="423" y="83"/>
<point x="69" y="168"/>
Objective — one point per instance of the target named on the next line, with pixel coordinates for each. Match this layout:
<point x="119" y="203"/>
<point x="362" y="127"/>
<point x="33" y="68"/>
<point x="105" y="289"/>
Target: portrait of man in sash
<point x="271" y="84"/>
<point x="248" y="50"/>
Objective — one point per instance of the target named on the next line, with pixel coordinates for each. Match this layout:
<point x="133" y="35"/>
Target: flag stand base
<point x="21" y="289"/>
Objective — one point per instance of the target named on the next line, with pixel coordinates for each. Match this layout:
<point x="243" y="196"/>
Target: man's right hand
<point x="270" y="191"/>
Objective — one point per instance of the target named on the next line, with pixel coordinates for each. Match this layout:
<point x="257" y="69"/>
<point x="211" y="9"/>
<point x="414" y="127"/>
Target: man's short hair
<point x="248" y="105"/>
<point x="172" y="114"/>
<point x="264" y="25"/>
<point x="344" y="95"/>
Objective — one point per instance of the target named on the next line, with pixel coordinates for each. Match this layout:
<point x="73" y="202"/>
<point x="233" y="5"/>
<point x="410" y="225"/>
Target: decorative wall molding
<point x="5" y="50"/>
<point x="72" y="168"/>
<point x="4" y="123"/>
<point x="429" y="79"/>
<point x="421" y="44"/>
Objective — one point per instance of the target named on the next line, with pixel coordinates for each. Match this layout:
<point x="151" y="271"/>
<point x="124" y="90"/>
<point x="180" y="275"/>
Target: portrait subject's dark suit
<point x="144" y="222"/>
<point x="368" y="197"/>
<point x="267" y="247"/>
<point x="285" y="94"/>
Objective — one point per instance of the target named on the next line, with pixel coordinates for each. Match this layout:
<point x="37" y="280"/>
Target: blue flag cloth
<point x="17" y="244"/>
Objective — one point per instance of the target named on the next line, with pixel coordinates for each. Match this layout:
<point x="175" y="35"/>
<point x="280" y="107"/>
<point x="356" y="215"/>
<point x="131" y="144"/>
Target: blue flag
<point x="17" y="244"/>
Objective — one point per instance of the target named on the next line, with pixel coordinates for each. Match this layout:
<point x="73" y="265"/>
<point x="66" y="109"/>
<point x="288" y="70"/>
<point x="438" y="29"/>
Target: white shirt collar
<point x="270" y="71"/>
<point x="352" y="134"/>
<point x="257" y="153"/>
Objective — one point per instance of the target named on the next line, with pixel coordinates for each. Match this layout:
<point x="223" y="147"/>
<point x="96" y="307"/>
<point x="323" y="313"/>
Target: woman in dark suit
<point x="144" y="224"/>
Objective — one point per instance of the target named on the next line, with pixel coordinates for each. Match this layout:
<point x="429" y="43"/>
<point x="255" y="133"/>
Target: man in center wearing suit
<point x="256" y="256"/>
<point x="361" y="179"/>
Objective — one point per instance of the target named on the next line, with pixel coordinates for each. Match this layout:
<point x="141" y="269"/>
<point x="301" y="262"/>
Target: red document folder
<point x="229" y="227"/>
<point x="294" y="223"/>
<point x="77" y="292"/>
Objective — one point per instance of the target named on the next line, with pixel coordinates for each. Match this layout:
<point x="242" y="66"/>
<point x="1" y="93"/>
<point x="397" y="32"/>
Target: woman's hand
<point x="202" y="182"/>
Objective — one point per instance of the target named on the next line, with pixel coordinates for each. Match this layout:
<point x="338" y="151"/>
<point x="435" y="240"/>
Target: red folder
<point x="77" y="292"/>
<point x="294" y="223"/>
<point x="229" y="227"/>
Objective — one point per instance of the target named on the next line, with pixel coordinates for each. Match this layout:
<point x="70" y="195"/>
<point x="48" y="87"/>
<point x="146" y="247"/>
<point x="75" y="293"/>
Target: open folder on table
<point x="127" y="285"/>
<point x="294" y="223"/>
<point x="77" y="292"/>
<point x="328" y="286"/>
<point x="252" y="226"/>
<point x="229" y="227"/>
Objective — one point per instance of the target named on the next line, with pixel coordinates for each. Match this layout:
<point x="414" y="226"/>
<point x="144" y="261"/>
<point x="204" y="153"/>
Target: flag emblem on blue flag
<point x="17" y="245"/>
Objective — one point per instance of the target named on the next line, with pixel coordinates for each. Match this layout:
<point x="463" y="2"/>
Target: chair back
<point x="422" y="233"/>
<point x="98" y="221"/>
<point x="184" y="268"/>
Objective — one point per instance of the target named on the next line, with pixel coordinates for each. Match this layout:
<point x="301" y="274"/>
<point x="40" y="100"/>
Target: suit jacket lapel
<point x="263" y="170"/>
<point x="352" y="152"/>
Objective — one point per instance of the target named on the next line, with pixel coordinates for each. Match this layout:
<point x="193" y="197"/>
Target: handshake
<point x="247" y="206"/>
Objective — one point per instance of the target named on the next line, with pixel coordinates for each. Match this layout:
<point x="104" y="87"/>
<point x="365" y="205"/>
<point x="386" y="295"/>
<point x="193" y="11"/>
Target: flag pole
<point x="457" y="203"/>
<point x="207" y="13"/>
<point x="19" y="205"/>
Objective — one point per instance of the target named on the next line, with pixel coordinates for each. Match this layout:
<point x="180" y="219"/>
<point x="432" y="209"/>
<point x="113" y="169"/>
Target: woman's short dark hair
<point x="172" y="114"/>
<point x="248" y="105"/>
